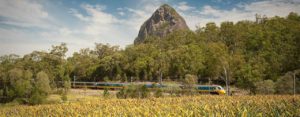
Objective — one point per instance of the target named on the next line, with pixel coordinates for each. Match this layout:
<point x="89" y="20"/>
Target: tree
<point x="265" y="87"/>
<point x="186" y="59"/>
<point x="190" y="80"/>
<point x="211" y="32"/>
<point x="42" y="83"/>
<point x="84" y="65"/>
<point x="103" y="50"/>
<point x="217" y="61"/>
<point x="251" y="72"/>
<point x="284" y="84"/>
<point x="60" y="50"/>
<point x="20" y="83"/>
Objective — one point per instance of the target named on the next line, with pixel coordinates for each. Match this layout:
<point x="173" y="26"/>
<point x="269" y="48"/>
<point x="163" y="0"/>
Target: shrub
<point x="1" y="92"/>
<point x="42" y="83"/>
<point x="265" y="87"/>
<point x="189" y="82"/>
<point x="118" y="77"/>
<point x="67" y="85"/>
<point x="121" y="94"/>
<point x="41" y="89"/>
<point x="134" y="91"/>
<point x="106" y="79"/>
<point x="20" y="83"/>
<point x="64" y="97"/>
<point x="145" y="93"/>
<point x="106" y="93"/>
<point x="284" y="85"/>
<point x="158" y="93"/>
<point x="37" y="98"/>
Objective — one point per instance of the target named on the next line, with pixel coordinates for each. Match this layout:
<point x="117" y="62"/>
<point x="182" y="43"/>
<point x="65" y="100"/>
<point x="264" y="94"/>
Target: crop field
<point x="206" y="105"/>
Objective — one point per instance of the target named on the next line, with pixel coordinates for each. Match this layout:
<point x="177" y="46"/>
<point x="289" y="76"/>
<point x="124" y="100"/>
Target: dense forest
<point x="251" y="54"/>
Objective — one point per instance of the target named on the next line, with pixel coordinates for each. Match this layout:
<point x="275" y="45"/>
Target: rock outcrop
<point x="162" y="22"/>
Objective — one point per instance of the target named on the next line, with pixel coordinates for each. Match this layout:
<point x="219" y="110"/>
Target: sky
<point x="28" y="25"/>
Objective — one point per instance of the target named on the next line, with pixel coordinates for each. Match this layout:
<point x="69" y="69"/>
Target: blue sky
<point x="27" y="25"/>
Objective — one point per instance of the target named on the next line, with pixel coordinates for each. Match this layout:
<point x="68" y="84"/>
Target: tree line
<point x="251" y="55"/>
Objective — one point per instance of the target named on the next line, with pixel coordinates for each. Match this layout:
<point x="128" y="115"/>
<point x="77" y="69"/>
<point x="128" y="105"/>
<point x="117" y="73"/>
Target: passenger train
<point x="210" y="89"/>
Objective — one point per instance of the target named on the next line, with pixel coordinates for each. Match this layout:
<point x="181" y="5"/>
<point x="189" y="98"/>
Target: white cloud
<point x="23" y="13"/>
<point x="101" y="27"/>
<point x="78" y="15"/>
<point x="183" y="6"/>
<point x="240" y="12"/>
<point x="20" y="42"/>
<point x="140" y="14"/>
<point x="121" y="13"/>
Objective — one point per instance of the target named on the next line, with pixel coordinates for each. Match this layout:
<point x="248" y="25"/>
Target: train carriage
<point x="205" y="89"/>
<point x="211" y="89"/>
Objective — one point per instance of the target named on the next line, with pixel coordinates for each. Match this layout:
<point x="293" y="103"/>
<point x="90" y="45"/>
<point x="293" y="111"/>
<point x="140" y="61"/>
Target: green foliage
<point x="284" y="84"/>
<point x="121" y="94"/>
<point x="1" y="92"/>
<point x="158" y="93"/>
<point x="65" y="90"/>
<point x="20" y="83"/>
<point x="265" y="87"/>
<point x="64" y="97"/>
<point x="189" y="81"/>
<point x="106" y="79"/>
<point x="37" y="98"/>
<point x="134" y="91"/>
<point x="67" y="85"/>
<point x="106" y="93"/>
<point x="42" y="83"/>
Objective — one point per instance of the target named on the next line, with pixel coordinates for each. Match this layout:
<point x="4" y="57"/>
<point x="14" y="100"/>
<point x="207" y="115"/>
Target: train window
<point x="203" y="88"/>
<point x="220" y="88"/>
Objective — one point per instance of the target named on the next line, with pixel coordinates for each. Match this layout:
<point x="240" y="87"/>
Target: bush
<point x="106" y="79"/>
<point x="106" y="93"/>
<point x="64" y="97"/>
<point x="189" y="82"/>
<point x="158" y="93"/>
<point x="145" y="93"/>
<point x="41" y="89"/>
<point x="20" y="85"/>
<point x="1" y="92"/>
<point x="37" y="98"/>
<point x="121" y="94"/>
<point x="67" y="85"/>
<point x="42" y="83"/>
<point x="134" y="91"/>
<point x="265" y="87"/>
<point x="118" y="77"/>
<point x="284" y="85"/>
<point x="64" y="91"/>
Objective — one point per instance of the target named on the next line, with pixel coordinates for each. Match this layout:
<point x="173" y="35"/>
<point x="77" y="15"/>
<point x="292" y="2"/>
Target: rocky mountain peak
<point x="162" y="22"/>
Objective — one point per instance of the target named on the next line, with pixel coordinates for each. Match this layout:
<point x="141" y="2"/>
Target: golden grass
<point x="205" y="105"/>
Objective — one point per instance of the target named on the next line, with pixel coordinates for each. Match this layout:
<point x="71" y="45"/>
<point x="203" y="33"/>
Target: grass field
<point x="204" y="105"/>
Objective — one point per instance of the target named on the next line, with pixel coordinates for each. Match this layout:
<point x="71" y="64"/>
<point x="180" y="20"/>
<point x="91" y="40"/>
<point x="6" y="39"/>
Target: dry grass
<point x="205" y="105"/>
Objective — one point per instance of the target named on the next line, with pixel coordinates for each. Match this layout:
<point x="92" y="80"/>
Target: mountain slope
<point x="162" y="22"/>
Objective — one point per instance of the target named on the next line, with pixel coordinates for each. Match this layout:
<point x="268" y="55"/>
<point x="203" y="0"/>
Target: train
<point x="210" y="89"/>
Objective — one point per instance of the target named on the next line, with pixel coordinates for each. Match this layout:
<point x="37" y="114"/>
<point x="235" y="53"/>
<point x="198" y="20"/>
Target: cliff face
<point x="162" y="22"/>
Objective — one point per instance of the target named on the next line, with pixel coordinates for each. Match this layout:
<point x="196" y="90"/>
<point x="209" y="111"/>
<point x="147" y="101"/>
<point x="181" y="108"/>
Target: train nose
<point x="223" y="91"/>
